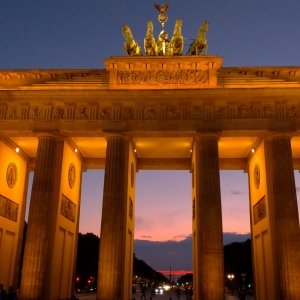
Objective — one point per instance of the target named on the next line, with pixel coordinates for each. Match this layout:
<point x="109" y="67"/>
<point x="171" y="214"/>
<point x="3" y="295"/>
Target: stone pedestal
<point x="168" y="72"/>
<point x="116" y="239"/>
<point x="207" y="220"/>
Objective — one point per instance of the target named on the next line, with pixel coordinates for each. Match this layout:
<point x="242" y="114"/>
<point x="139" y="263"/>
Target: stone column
<point x="284" y="219"/>
<point x="112" y="280"/>
<point x="43" y="208"/>
<point x="207" y="220"/>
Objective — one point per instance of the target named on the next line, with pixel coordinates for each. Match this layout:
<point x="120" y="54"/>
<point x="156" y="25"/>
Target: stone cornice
<point x="252" y="77"/>
<point x="52" y="79"/>
<point x="227" y="77"/>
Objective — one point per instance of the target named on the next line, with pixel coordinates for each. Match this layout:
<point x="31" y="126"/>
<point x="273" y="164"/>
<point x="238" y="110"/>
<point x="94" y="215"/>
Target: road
<point x="157" y="297"/>
<point x="135" y="297"/>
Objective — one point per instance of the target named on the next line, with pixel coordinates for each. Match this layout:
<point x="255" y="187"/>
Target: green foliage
<point x="238" y="261"/>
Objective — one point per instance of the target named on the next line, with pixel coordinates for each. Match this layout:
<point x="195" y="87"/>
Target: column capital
<point x="48" y="134"/>
<point x="279" y="135"/>
<point x="114" y="135"/>
<point x="207" y="135"/>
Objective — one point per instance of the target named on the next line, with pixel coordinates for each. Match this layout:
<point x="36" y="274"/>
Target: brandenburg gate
<point x="175" y="112"/>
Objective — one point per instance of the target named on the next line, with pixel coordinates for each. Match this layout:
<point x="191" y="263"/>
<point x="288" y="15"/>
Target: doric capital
<point x="207" y="136"/>
<point x="116" y="135"/>
<point x="279" y="135"/>
<point x="48" y="134"/>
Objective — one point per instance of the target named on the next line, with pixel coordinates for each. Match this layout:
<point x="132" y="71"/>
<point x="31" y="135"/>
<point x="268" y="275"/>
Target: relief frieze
<point x="151" y="113"/>
<point x="82" y="112"/>
<point x="203" y="111"/>
<point x="104" y="113"/>
<point x="292" y="112"/>
<point x="162" y="77"/>
<point x="37" y="113"/>
<point x="127" y="113"/>
<point x="8" y="209"/>
<point x="68" y="208"/>
<point x="58" y="113"/>
<point x="197" y="112"/>
<point x="269" y="112"/>
<point x="259" y="210"/>
<point x="173" y="113"/>
<point x="12" y="113"/>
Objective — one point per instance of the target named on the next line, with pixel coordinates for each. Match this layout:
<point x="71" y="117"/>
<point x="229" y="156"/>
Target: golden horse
<point x="149" y="41"/>
<point x="130" y="45"/>
<point x="177" y="42"/>
<point x="199" y="45"/>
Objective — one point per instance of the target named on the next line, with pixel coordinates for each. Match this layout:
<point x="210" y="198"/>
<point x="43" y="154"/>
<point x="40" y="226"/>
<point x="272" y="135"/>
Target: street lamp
<point x="230" y="276"/>
<point x="230" y="283"/>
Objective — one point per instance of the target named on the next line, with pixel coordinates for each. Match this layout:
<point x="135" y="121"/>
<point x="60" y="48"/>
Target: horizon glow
<point x="163" y="208"/>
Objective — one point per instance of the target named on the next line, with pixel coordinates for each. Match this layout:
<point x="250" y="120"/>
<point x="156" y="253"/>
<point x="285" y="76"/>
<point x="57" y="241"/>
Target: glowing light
<point x="159" y="290"/>
<point x="166" y="287"/>
<point x="75" y="150"/>
<point x="252" y="150"/>
<point x="17" y="149"/>
<point x="230" y="276"/>
<point x="134" y="150"/>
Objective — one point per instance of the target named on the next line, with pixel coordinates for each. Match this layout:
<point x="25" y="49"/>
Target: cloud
<point x="163" y="255"/>
<point x="175" y="254"/>
<point x="169" y="218"/>
<point x="236" y="192"/>
<point x="143" y="224"/>
<point x="176" y="273"/>
<point x="181" y="237"/>
<point x="146" y="236"/>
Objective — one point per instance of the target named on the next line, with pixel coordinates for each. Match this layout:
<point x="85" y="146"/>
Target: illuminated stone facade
<point x="186" y="113"/>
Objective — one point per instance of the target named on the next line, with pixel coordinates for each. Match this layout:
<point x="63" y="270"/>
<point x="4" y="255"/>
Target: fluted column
<point x="113" y="223"/>
<point x="284" y="215"/>
<point x="40" y="231"/>
<point x="207" y="223"/>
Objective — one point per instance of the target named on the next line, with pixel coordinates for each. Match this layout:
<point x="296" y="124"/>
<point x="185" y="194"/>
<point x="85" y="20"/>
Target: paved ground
<point x="157" y="297"/>
<point x="135" y="297"/>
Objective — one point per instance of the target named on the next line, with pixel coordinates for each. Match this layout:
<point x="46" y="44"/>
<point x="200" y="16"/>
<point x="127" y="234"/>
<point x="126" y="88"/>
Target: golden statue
<point x="130" y="45"/>
<point x="163" y="44"/>
<point x="199" y="45"/>
<point x="149" y="41"/>
<point x="162" y="9"/>
<point x="177" y="42"/>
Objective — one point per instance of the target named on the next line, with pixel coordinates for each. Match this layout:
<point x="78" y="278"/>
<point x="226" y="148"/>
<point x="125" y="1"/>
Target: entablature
<point x="140" y="73"/>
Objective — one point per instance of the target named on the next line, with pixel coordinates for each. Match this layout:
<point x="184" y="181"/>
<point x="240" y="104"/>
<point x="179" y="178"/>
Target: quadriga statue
<point x="161" y="47"/>
<point x="149" y="41"/>
<point x="130" y="45"/>
<point x="177" y="42"/>
<point x="199" y="45"/>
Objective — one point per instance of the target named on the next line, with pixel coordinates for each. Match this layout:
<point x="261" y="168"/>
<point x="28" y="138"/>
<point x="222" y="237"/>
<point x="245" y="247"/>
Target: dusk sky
<point x="80" y="34"/>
